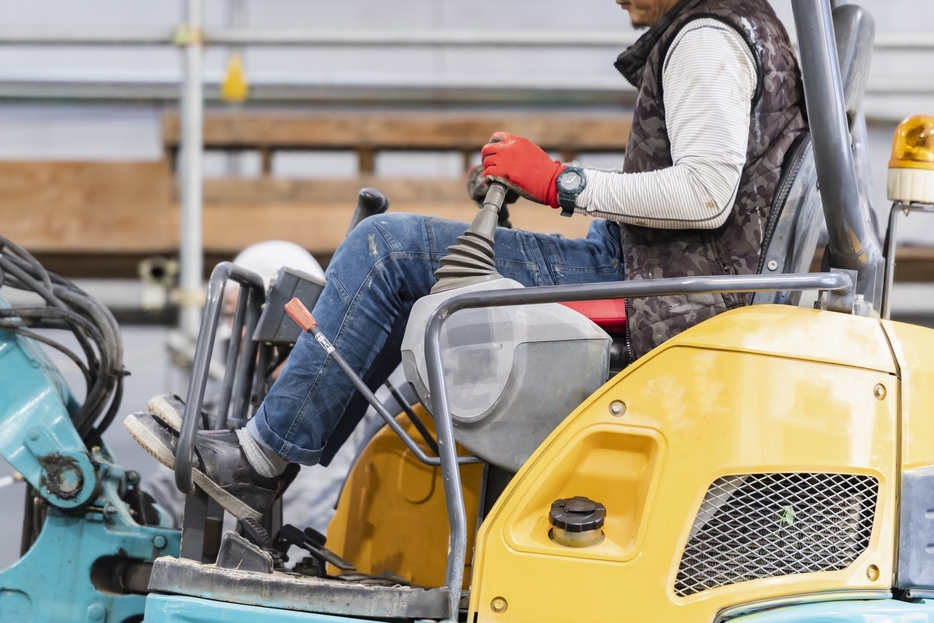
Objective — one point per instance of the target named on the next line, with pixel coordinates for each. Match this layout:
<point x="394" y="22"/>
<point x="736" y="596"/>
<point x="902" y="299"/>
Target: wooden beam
<point x="307" y="191"/>
<point x="403" y="131"/>
<point x="113" y="213"/>
<point x="94" y="207"/>
<point x="101" y="208"/>
<point x="120" y="265"/>
<point x="315" y="213"/>
<point x="366" y="161"/>
<point x="914" y="264"/>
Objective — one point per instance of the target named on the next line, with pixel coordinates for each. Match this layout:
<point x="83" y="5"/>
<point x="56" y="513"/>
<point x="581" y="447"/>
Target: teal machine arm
<point x="36" y="434"/>
<point x="92" y="558"/>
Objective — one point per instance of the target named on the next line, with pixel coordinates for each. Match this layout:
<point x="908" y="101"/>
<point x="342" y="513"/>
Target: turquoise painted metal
<point x="65" y="575"/>
<point x="73" y="572"/>
<point x="869" y="611"/>
<point x="174" y="609"/>
<point x="36" y="434"/>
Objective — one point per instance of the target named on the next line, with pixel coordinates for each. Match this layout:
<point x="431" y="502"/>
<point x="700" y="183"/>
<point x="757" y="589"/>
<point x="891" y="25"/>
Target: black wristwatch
<point x="570" y="183"/>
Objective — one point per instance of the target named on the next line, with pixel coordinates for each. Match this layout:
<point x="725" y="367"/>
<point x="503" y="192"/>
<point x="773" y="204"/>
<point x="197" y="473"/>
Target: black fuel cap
<point x="577" y="514"/>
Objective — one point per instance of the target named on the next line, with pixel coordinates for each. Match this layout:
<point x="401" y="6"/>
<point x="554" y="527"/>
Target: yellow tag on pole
<point x="235" y="87"/>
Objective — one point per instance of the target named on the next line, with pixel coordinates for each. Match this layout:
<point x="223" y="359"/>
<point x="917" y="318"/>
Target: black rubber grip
<point x="369" y="203"/>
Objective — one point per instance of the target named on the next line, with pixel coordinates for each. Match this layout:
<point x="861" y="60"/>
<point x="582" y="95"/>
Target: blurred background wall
<point x="87" y="162"/>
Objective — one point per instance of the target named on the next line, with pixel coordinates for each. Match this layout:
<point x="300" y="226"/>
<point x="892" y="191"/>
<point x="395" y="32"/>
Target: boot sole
<point x="158" y="451"/>
<point x="149" y="442"/>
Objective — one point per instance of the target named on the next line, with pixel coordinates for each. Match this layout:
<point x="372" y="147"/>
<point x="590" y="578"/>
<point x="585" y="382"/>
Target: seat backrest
<point x="794" y="223"/>
<point x="796" y="219"/>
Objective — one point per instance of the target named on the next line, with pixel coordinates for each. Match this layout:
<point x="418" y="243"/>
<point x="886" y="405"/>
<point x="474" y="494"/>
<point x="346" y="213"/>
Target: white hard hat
<point x="266" y="258"/>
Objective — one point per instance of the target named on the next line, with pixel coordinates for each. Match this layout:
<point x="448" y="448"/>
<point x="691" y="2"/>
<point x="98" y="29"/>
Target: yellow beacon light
<point x="911" y="169"/>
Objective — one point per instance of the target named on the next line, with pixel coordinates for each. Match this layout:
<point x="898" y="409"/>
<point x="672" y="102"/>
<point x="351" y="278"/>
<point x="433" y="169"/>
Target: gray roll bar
<point x="252" y="296"/>
<point x="851" y="245"/>
<point x="890" y="244"/>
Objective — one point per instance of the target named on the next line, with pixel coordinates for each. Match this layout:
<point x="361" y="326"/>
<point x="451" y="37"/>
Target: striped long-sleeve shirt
<point x="709" y="80"/>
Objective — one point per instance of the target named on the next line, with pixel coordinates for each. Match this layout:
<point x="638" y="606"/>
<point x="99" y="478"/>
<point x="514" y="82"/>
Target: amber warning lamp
<point x="911" y="169"/>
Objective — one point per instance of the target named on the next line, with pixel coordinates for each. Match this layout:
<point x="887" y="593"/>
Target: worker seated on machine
<point x="719" y="103"/>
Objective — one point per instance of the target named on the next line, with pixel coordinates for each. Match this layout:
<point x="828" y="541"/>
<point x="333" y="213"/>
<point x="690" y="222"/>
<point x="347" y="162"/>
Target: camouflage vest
<point x="777" y="117"/>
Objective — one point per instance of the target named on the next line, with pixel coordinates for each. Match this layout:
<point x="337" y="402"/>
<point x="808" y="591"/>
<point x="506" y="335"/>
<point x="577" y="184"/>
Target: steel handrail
<point x="254" y="291"/>
<point x="890" y="245"/>
<point x="457" y="514"/>
<point x="852" y="244"/>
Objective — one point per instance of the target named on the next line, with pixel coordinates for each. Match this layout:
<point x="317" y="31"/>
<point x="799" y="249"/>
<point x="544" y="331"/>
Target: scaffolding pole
<point x="191" y="251"/>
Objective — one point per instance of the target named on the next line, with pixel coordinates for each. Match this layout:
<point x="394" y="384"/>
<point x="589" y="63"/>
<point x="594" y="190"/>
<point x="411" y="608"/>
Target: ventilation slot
<point x="768" y="525"/>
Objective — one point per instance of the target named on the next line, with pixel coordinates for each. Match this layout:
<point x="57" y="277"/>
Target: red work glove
<point x="523" y="167"/>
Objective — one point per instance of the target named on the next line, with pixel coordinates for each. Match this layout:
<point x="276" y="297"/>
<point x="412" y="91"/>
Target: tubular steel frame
<point x="191" y="243"/>
<point x="157" y="37"/>
<point x="890" y="245"/>
<point x="851" y="245"/>
<point x="239" y="369"/>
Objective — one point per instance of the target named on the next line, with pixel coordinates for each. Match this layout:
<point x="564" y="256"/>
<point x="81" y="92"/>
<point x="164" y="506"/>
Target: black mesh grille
<point x="768" y="525"/>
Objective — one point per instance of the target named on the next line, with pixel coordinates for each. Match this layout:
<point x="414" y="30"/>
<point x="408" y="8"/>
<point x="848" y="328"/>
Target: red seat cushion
<point x="609" y="314"/>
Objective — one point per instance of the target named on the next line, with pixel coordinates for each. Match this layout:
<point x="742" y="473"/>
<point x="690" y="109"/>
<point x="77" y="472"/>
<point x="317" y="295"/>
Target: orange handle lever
<point x="300" y="314"/>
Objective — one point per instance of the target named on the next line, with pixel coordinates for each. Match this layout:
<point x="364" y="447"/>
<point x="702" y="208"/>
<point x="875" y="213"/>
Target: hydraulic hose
<point x="69" y="308"/>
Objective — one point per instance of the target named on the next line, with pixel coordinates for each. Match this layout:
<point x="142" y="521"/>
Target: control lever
<point x="509" y="198"/>
<point x="471" y="260"/>
<point x="316" y="537"/>
<point x="303" y="318"/>
<point x="293" y="535"/>
<point x="370" y="202"/>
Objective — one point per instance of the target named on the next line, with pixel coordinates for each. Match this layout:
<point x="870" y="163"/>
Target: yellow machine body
<point x="392" y="515"/>
<point x="759" y="390"/>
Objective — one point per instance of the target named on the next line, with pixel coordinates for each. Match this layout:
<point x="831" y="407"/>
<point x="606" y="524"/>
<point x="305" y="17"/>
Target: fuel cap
<point x="577" y="521"/>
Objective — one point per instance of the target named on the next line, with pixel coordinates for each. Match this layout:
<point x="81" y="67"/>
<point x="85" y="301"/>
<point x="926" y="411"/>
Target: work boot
<point x="170" y="408"/>
<point x="219" y="466"/>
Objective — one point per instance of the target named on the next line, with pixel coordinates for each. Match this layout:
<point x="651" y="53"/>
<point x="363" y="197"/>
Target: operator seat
<point x="794" y="225"/>
<point x="788" y="245"/>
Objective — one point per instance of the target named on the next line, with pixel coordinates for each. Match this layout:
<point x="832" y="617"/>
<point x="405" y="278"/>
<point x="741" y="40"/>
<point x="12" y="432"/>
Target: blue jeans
<point x="376" y="275"/>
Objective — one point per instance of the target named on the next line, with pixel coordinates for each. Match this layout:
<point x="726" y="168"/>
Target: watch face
<point x="569" y="181"/>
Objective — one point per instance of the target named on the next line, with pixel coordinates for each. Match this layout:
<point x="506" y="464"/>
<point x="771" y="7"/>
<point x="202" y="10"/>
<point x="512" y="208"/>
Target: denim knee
<point x="385" y="233"/>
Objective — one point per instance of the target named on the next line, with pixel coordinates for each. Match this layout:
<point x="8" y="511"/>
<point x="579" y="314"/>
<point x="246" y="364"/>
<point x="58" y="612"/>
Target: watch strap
<point x="567" y="199"/>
